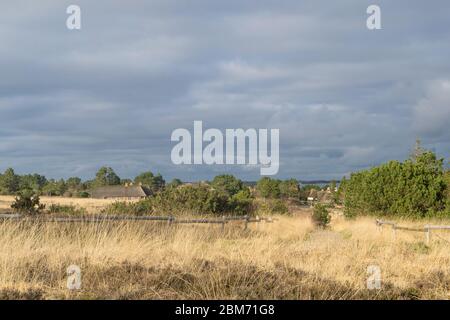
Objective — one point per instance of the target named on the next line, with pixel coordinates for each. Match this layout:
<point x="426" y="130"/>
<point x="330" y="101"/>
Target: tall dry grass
<point x="288" y="259"/>
<point x="88" y="204"/>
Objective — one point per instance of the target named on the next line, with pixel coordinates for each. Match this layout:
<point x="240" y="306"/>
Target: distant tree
<point x="9" y="182"/>
<point x="54" y="187"/>
<point x="106" y="177"/>
<point x="154" y="182"/>
<point x="268" y="188"/>
<point x="146" y="178"/>
<point x="175" y="183"/>
<point x="333" y="185"/>
<point x="418" y="151"/>
<point x="333" y="191"/>
<point x="227" y="183"/>
<point x="308" y="187"/>
<point x="88" y="184"/>
<point x="125" y="181"/>
<point x="289" y="188"/>
<point x="447" y="186"/>
<point x="33" y="182"/>
<point x="159" y="182"/>
<point x="74" y="183"/>
<point x="339" y="196"/>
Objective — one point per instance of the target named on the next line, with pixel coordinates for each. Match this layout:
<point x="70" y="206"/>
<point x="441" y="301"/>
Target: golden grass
<point x="288" y="259"/>
<point x="89" y="204"/>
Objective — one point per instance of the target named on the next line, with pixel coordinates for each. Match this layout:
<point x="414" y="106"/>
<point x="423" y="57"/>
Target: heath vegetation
<point x="313" y="250"/>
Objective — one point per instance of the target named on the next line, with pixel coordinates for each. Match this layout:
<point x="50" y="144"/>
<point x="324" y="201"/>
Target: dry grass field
<point x="90" y="205"/>
<point x="288" y="259"/>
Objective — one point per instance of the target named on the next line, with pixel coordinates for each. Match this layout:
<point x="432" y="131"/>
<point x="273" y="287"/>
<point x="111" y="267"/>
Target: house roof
<point x="324" y="196"/>
<point x="313" y="193"/>
<point x="120" y="192"/>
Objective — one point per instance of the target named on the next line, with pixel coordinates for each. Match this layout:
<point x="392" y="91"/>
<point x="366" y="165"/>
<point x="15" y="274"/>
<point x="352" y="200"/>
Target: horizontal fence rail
<point x="426" y="229"/>
<point x="169" y="219"/>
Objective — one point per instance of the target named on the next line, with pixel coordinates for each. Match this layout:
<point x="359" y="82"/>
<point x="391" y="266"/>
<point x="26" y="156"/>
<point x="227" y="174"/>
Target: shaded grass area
<point x="203" y="280"/>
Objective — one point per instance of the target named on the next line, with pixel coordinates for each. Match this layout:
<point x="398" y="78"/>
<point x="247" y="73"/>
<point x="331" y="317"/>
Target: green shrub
<point x="320" y="216"/>
<point x="118" y="207"/>
<point x="227" y="183"/>
<point x="197" y="199"/>
<point x="241" y="203"/>
<point x="279" y="207"/>
<point x="27" y="202"/>
<point x="447" y="189"/>
<point x="289" y="189"/>
<point x="276" y="189"/>
<point x="66" y="209"/>
<point x="174" y="183"/>
<point x="413" y="189"/>
<point x="153" y="182"/>
<point x="272" y="206"/>
<point x="192" y="199"/>
<point x="139" y="208"/>
<point x="268" y="188"/>
<point x="83" y="194"/>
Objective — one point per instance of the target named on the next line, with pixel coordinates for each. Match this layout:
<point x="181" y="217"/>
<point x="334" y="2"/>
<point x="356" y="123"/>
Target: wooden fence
<point x="426" y="229"/>
<point x="169" y="219"/>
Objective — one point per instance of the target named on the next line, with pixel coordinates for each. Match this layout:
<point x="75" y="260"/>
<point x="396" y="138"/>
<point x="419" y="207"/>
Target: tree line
<point x="416" y="187"/>
<point x="12" y="183"/>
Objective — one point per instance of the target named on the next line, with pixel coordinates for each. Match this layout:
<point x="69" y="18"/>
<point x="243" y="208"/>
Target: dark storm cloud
<point x="343" y="97"/>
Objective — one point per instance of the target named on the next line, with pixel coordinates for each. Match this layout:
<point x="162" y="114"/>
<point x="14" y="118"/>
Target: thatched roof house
<point x="127" y="192"/>
<point x="325" y="196"/>
<point x="322" y="196"/>
<point x="312" y="195"/>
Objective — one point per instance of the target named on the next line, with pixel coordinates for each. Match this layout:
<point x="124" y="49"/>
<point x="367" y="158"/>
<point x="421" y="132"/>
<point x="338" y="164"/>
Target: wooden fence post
<point x="427" y="234"/>
<point x="394" y="231"/>
<point x="223" y="223"/>
<point x="246" y="222"/>
<point x="379" y="226"/>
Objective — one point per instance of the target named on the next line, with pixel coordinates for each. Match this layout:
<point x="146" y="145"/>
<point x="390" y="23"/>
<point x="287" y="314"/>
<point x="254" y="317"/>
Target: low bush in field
<point x="200" y="199"/>
<point x="190" y="199"/>
<point x="27" y="202"/>
<point x="140" y="208"/>
<point x="275" y="206"/>
<point x="66" y="209"/>
<point x="241" y="203"/>
<point x="320" y="216"/>
<point x="83" y="194"/>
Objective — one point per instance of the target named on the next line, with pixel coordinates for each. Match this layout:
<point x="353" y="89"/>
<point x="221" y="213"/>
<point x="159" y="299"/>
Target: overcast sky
<point x="344" y="97"/>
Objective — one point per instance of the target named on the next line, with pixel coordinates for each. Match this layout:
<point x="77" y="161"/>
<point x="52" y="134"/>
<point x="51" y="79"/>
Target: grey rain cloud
<point x="344" y="98"/>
